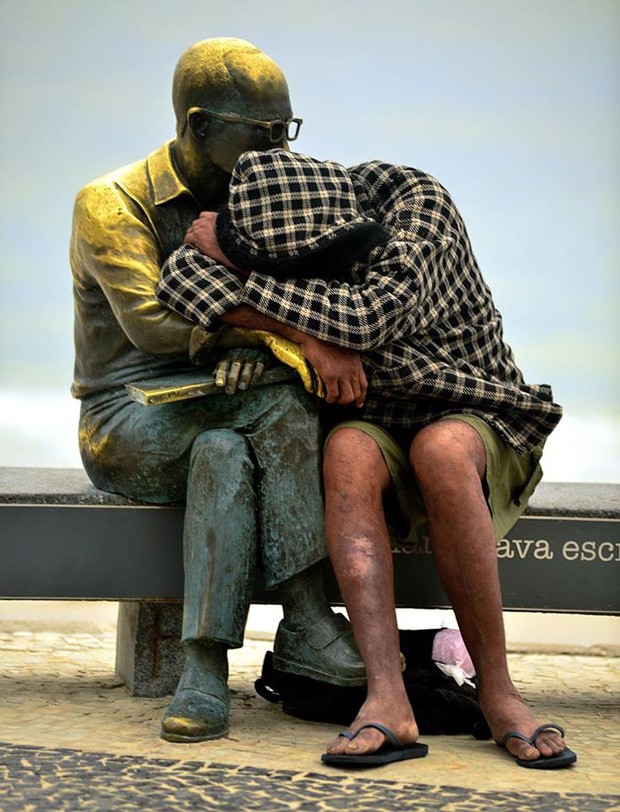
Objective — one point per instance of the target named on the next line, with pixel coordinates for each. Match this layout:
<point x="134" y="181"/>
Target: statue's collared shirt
<point x="125" y="224"/>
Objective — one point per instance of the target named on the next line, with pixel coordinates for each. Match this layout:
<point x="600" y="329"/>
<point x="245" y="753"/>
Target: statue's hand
<point x="293" y="356"/>
<point x="240" y="368"/>
<point x="202" y="345"/>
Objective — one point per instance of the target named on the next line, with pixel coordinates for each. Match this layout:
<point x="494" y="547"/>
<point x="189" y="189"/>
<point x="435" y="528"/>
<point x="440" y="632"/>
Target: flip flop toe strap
<point x="514" y="734"/>
<point x="389" y="734"/>
<point x="549" y="726"/>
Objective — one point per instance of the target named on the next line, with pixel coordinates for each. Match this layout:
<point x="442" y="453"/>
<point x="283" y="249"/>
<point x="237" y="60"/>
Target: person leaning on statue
<point x="376" y="259"/>
<point x="247" y="464"/>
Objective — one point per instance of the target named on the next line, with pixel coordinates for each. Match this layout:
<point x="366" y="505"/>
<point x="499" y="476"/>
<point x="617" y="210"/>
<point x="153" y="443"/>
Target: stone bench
<point x="64" y="539"/>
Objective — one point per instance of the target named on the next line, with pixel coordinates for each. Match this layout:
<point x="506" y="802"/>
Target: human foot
<point x="396" y="716"/>
<point x="514" y="727"/>
<point x="562" y="759"/>
<point x="391" y="750"/>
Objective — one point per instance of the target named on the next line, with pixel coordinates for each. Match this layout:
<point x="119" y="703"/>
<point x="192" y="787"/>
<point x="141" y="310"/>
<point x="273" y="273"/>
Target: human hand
<point x="202" y="235"/>
<point x="240" y="368"/>
<point x="340" y="369"/>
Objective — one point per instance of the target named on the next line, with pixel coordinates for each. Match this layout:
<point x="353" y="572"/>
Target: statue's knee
<point x="220" y="450"/>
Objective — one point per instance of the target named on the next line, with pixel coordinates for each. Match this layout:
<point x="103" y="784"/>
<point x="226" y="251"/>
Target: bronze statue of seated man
<point x="246" y="464"/>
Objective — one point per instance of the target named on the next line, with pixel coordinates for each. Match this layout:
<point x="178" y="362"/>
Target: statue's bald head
<point x="228" y="75"/>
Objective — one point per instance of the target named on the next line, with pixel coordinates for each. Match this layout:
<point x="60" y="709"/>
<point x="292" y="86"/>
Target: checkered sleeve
<point x="378" y="309"/>
<point x="195" y="286"/>
<point x="406" y="284"/>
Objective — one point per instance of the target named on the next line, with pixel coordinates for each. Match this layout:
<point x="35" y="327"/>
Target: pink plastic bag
<point x="449" y="649"/>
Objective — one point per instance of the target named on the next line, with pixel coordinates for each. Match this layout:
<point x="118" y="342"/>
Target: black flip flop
<point x="392" y="750"/>
<point x="563" y="759"/>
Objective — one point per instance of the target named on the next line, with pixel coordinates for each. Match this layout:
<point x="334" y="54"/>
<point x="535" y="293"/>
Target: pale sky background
<point x="511" y="104"/>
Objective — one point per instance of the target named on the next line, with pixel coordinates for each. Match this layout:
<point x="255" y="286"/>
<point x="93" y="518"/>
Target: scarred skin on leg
<point x="449" y="462"/>
<point x="356" y="477"/>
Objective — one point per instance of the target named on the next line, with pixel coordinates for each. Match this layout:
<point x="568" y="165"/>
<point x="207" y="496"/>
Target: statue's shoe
<point x="325" y="651"/>
<point x="194" y="716"/>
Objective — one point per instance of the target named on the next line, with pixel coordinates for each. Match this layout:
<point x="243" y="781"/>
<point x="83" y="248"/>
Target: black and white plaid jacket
<point x="419" y="311"/>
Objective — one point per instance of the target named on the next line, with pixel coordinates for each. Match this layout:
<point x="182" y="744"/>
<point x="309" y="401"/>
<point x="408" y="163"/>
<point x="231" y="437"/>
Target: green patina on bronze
<point x="247" y="464"/>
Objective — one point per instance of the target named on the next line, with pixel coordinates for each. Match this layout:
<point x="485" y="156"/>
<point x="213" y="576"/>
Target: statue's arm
<point x="114" y="247"/>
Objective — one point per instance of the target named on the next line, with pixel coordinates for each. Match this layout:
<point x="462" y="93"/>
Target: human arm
<point x="339" y="368"/>
<point x="378" y="309"/>
<point x="188" y="285"/>
<point x="197" y="287"/>
<point x="394" y="293"/>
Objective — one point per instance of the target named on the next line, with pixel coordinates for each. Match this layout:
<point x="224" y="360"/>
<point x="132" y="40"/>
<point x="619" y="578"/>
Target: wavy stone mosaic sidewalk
<point x="72" y="739"/>
<point x="38" y="780"/>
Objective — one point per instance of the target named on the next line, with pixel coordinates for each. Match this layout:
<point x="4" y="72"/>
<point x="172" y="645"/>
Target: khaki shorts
<point x="510" y="480"/>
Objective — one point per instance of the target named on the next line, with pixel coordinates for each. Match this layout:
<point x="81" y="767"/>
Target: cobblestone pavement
<point x="43" y="779"/>
<point x="72" y="738"/>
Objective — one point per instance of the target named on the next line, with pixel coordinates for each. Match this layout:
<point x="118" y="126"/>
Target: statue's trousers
<point x="248" y="467"/>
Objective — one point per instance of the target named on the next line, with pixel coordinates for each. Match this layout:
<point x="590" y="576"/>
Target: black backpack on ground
<point x="440" y="705"/>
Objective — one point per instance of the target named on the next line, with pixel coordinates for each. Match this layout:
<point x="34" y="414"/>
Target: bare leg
<point x="449" y="462"/>
<point x="355" y="479"/>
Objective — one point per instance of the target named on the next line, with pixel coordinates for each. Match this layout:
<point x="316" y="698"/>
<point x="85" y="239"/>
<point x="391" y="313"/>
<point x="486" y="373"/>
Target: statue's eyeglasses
<point x="280" y="129"/>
